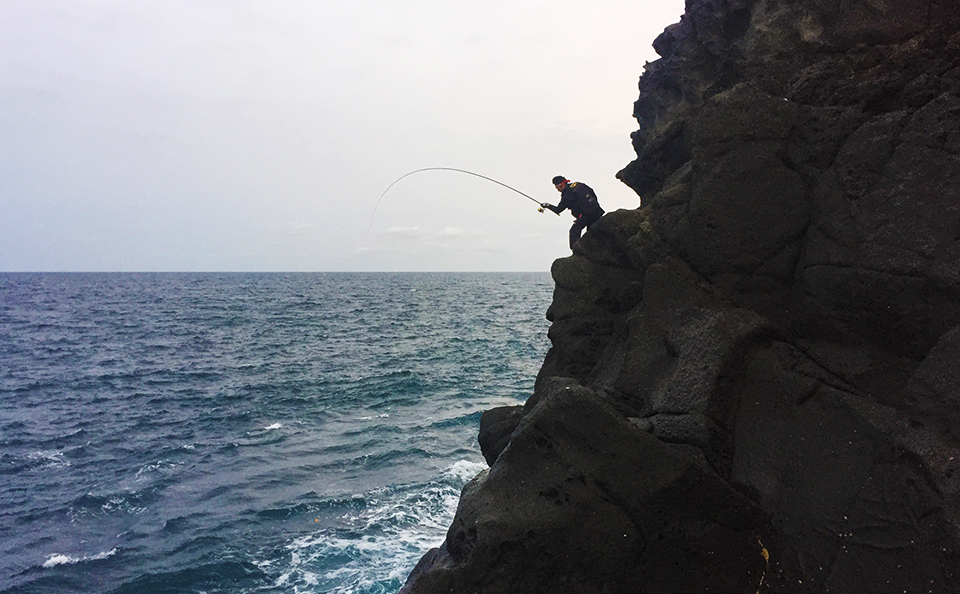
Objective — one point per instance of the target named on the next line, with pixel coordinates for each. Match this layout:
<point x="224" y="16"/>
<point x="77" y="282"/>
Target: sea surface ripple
<point x="278" y="433"/>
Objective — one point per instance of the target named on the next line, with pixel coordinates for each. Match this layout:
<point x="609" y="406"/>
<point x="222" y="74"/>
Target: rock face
<point x="754" y="383"/>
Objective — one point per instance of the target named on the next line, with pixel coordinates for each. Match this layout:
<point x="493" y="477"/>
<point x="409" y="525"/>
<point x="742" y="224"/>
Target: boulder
<point x="583" y="501"/>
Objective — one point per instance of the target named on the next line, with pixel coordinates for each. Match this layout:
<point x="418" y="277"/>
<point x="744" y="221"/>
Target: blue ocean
<point x="247" y="432"/>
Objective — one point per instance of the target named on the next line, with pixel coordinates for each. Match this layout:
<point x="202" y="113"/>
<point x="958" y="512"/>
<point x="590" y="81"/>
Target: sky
<point x="260" y="135"/>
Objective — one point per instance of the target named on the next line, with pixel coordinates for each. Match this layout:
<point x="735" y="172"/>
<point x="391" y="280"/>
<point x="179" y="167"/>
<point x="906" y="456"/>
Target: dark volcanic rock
<point x="496" y="427"/>
<point x="755" y="378"/>
<point x="583" y="501"/>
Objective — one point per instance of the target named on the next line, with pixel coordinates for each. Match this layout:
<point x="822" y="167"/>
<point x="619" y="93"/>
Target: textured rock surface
<point x="755" y="378"/>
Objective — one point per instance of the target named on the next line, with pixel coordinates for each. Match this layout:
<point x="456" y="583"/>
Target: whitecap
<point x="54" y="560"/>
<point x="50" y="459"/>
<point x="465" y="470"/>
<point x="272" y="427"/>
<point x="155" y="467"/>
<point x="381" y="543"/>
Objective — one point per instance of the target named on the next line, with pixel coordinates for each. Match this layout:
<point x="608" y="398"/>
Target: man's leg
<point x="575" y="231"/>
<point x="588" y="221"/>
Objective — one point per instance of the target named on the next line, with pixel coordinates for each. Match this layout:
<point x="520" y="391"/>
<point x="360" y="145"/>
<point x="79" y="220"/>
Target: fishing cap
<point x="559" y="180"/>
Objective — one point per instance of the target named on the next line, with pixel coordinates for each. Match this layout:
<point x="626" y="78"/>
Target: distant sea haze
<point x="240" y="433"/>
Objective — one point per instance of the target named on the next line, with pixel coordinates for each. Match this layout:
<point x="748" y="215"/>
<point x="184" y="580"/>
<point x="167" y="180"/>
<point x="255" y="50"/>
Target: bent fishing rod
<point x="540" y="208"/>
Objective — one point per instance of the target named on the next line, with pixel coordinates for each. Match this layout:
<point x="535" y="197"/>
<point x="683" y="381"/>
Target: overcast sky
<point x="248" y="135"/>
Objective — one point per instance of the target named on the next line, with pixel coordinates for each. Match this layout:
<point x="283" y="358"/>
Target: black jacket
<point x="580" y="199"/>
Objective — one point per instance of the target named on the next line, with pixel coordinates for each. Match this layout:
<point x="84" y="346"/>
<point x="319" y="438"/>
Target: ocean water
<point x="269" y="433"/>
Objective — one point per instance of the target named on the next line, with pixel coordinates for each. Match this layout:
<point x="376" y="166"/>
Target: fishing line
<point x="447" y="169"/>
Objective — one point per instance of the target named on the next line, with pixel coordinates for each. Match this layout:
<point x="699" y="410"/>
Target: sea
<point x="247" y="432"/>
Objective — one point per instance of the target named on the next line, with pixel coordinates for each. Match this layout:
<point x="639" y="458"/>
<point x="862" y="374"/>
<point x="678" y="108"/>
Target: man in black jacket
<point x="582" y="202"/>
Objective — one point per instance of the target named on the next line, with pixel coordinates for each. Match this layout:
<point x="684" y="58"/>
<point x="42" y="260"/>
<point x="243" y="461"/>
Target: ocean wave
<point x="133" y="503"/>
<point x="57" y="559"/>
<point x="342" y="505"/>
<point x="464" y="470"/>
<point x="34" y="461"/>
<point x="181" y="524"/>
<point x="190" y="462"/>
<point x="147" y="471"/>
<point x="468" y="419"/>
<point x="221" y="576"/>
<point x="376" y="545"/>
<point x="262" y="431"/>
<point x="376" y="429"/>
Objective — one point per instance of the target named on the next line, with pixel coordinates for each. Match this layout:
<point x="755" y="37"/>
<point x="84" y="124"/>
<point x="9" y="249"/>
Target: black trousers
<point x="582" y="222"/>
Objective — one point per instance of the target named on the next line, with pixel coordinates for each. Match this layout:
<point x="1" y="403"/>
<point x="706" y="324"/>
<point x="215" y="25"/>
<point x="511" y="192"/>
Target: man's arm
<point x="556" y="209"/>
<point x="562" y="206"/>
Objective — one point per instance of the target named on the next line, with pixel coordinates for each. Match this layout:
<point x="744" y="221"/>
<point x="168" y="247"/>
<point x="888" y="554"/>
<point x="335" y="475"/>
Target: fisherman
<point x="582" y="202"/>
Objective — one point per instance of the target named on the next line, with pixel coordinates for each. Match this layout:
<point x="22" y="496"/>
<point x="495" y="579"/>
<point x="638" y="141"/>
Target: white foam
<point x="380" y="543"/>
<point x="272" y="427"/>
<point x="155" y="467"/>
<point x="465" y="470"/>
<point x="55" y="560"/>
<point x="51" y="459"/>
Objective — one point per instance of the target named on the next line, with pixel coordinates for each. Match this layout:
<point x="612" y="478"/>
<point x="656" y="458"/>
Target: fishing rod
<point x="458" y="171"/>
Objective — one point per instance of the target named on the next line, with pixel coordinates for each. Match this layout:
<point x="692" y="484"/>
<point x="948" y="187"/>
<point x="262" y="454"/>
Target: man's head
<point x="560" y="182"/>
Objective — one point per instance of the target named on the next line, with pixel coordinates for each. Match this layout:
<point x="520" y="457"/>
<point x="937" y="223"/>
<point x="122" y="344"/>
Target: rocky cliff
<point x="754" y="383"/>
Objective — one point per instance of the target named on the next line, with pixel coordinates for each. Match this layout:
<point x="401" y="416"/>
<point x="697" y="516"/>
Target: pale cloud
<point x="405" y="231"/>
<point x="458" y="232"/>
